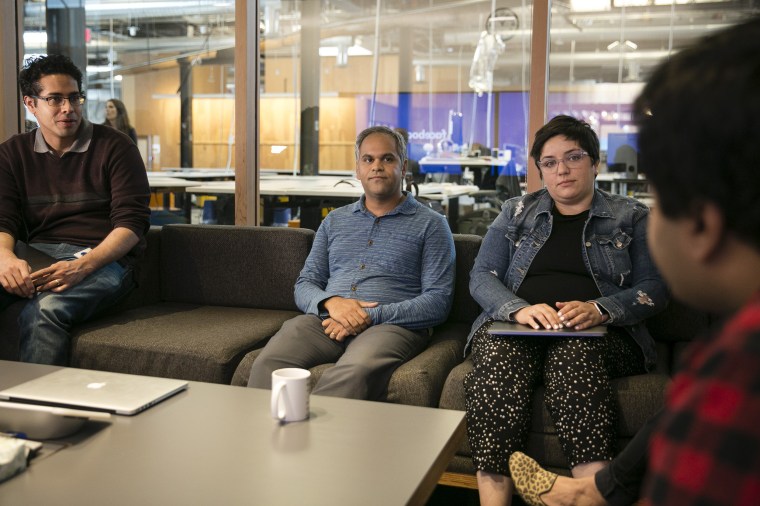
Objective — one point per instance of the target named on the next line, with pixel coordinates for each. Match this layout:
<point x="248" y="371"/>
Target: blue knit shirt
<point x="403" y="260"/>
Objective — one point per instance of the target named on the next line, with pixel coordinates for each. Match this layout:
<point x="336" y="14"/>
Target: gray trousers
<point x="363" y="364"/>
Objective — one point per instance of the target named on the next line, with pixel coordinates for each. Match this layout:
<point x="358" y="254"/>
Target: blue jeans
<point x="47" y="318"/>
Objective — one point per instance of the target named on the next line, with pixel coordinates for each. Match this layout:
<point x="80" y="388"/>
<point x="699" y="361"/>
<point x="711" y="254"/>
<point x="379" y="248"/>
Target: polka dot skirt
<point x="576" y="372"/>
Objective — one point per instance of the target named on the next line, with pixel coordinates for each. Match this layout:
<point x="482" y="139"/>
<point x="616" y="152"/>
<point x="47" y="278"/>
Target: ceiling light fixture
<point x="589" y="5"/>
<point x="352" y="51"/>
<point x="628" y="45"/>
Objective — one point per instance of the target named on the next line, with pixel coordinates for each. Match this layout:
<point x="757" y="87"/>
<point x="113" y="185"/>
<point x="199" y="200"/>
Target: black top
<point x="557" y="273"/>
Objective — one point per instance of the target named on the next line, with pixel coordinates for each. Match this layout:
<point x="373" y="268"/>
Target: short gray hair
<point x="399" y="140"/>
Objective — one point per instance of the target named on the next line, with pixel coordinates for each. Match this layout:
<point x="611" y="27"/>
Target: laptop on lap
<point x="122" y="394"/>
<point x="501" y="328"/>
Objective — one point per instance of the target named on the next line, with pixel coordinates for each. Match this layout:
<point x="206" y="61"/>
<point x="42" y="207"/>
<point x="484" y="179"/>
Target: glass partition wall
<point x="602" y="52"/>
<point x="454" y="73"/>
<point x="170" y="62"/>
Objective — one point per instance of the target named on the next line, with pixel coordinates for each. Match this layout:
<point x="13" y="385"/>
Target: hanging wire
<point x="375" y="66"/>
<point x="489" y="119"/>
<point x="296" y="115"/>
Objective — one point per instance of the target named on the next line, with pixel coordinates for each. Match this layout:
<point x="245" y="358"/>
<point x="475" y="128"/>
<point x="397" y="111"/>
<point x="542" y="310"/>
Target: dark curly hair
<point x="699" y="129"/>
<point x="572" y="128"/>
<point x="38" y="67"/>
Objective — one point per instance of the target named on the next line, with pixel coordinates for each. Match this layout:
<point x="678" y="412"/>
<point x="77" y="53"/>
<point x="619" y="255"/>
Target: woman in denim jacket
<point x="568" y="255"/>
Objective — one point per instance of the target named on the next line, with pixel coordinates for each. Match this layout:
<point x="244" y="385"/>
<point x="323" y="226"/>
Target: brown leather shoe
<point x="530" y="479"/>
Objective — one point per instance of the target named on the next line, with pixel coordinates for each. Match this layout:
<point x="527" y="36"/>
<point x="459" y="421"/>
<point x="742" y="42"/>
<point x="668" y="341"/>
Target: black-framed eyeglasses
<point x="571" y="160"/>
<point x="74" y="99"/>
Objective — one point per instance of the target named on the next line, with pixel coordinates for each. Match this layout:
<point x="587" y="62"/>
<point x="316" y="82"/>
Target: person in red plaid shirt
<point x="699" y="132"/>
<point x="699" y="138"/>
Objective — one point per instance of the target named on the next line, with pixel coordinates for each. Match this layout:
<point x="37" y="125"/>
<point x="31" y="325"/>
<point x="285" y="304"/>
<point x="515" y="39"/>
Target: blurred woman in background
<point x="117" y="117"/>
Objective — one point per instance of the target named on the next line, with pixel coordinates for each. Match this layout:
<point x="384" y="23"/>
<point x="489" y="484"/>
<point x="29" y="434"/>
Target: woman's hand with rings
<point x="579" y="315"/>
<point x="537" y="316"/>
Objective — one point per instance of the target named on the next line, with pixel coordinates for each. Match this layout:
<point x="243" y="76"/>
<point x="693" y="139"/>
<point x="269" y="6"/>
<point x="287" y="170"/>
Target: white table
<point x="431" y="162"/>
<point x="502" y="171"/>
<point x="217" y="444"/>
<point x="198" y="174"/>
<point x="161" y="183"/>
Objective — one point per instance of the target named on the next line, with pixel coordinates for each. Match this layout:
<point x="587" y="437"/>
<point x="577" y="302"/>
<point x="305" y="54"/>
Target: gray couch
<point x="207" y="295"/>
<point x="211" y="296"/>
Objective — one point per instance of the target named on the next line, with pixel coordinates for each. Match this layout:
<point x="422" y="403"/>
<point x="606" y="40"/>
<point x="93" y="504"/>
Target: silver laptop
<point x="123" y="394"/>
<point x="517" y="329"/>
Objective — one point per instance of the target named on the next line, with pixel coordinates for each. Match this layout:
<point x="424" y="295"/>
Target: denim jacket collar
<point x="600" y="206"/>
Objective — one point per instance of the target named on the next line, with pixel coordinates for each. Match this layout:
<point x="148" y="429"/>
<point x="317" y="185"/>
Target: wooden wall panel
<point x="154" y="107"/>
<point x="279" y="120"/>
<point x="337" y="133"/>
<point x="212" y="125"/>
<point x="153" y="104"/>
<point x="337" y="130"/>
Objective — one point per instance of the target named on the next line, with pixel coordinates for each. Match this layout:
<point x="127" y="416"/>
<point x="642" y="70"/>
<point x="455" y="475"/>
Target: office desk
<point x="163" y="184"/>
<point x="217" y="444"/>
<point x="488" y="172"/>
<point x="619" y="182"/>
<point x="454" y="164"/>
<point x="199" y="174"/>
<point x="311" y="191"/>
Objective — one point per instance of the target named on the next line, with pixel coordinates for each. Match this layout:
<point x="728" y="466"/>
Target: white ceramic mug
<point x="290" y="394"/>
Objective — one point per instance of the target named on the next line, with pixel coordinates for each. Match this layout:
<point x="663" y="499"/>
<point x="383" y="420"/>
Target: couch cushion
<point x="419" y="382"/>
<point x="175" y="340"/>
<point x="254" y="267"/>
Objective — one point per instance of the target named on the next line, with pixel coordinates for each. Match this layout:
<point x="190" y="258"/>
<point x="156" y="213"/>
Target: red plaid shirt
<point x="706" y="448"/>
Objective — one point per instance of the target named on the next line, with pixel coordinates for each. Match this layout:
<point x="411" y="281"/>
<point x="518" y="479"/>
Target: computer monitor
<point x="623" y="153"/>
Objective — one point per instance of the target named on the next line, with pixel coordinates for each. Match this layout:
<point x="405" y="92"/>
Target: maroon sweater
<point x="78" y="198"/>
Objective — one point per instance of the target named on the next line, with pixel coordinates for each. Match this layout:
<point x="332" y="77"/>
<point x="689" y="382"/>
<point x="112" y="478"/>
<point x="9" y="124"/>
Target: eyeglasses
<point x="58" y="100"/>
<point x="571" y="160"/>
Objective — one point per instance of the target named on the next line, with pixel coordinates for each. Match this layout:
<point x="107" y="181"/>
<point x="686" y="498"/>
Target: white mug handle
<point x="277" y="394"/>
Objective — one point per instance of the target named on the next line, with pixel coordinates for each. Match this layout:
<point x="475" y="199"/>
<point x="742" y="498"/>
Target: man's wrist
<point x="322" y="305"/>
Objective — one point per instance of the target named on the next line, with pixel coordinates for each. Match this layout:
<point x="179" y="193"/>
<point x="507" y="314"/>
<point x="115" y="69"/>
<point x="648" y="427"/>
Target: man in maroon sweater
<point x="76" y="191"/>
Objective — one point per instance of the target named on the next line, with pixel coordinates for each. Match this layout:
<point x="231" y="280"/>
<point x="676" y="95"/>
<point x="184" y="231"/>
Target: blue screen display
<point x="622" y="151"/>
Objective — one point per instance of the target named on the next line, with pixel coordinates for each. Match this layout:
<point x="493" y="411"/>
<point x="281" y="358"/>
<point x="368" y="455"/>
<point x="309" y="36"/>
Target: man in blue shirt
<point x="379" y="276"/>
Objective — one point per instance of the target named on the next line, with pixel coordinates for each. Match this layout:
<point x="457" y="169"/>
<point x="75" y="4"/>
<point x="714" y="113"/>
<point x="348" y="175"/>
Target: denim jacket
<point x="614" y="250"/>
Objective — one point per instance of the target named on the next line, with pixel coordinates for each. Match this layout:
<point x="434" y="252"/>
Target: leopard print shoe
<point x="530" y="479"/>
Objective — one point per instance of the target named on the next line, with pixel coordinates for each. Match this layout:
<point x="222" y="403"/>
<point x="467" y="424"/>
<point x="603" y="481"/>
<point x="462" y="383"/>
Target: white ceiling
<point x="437" y="32"/>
